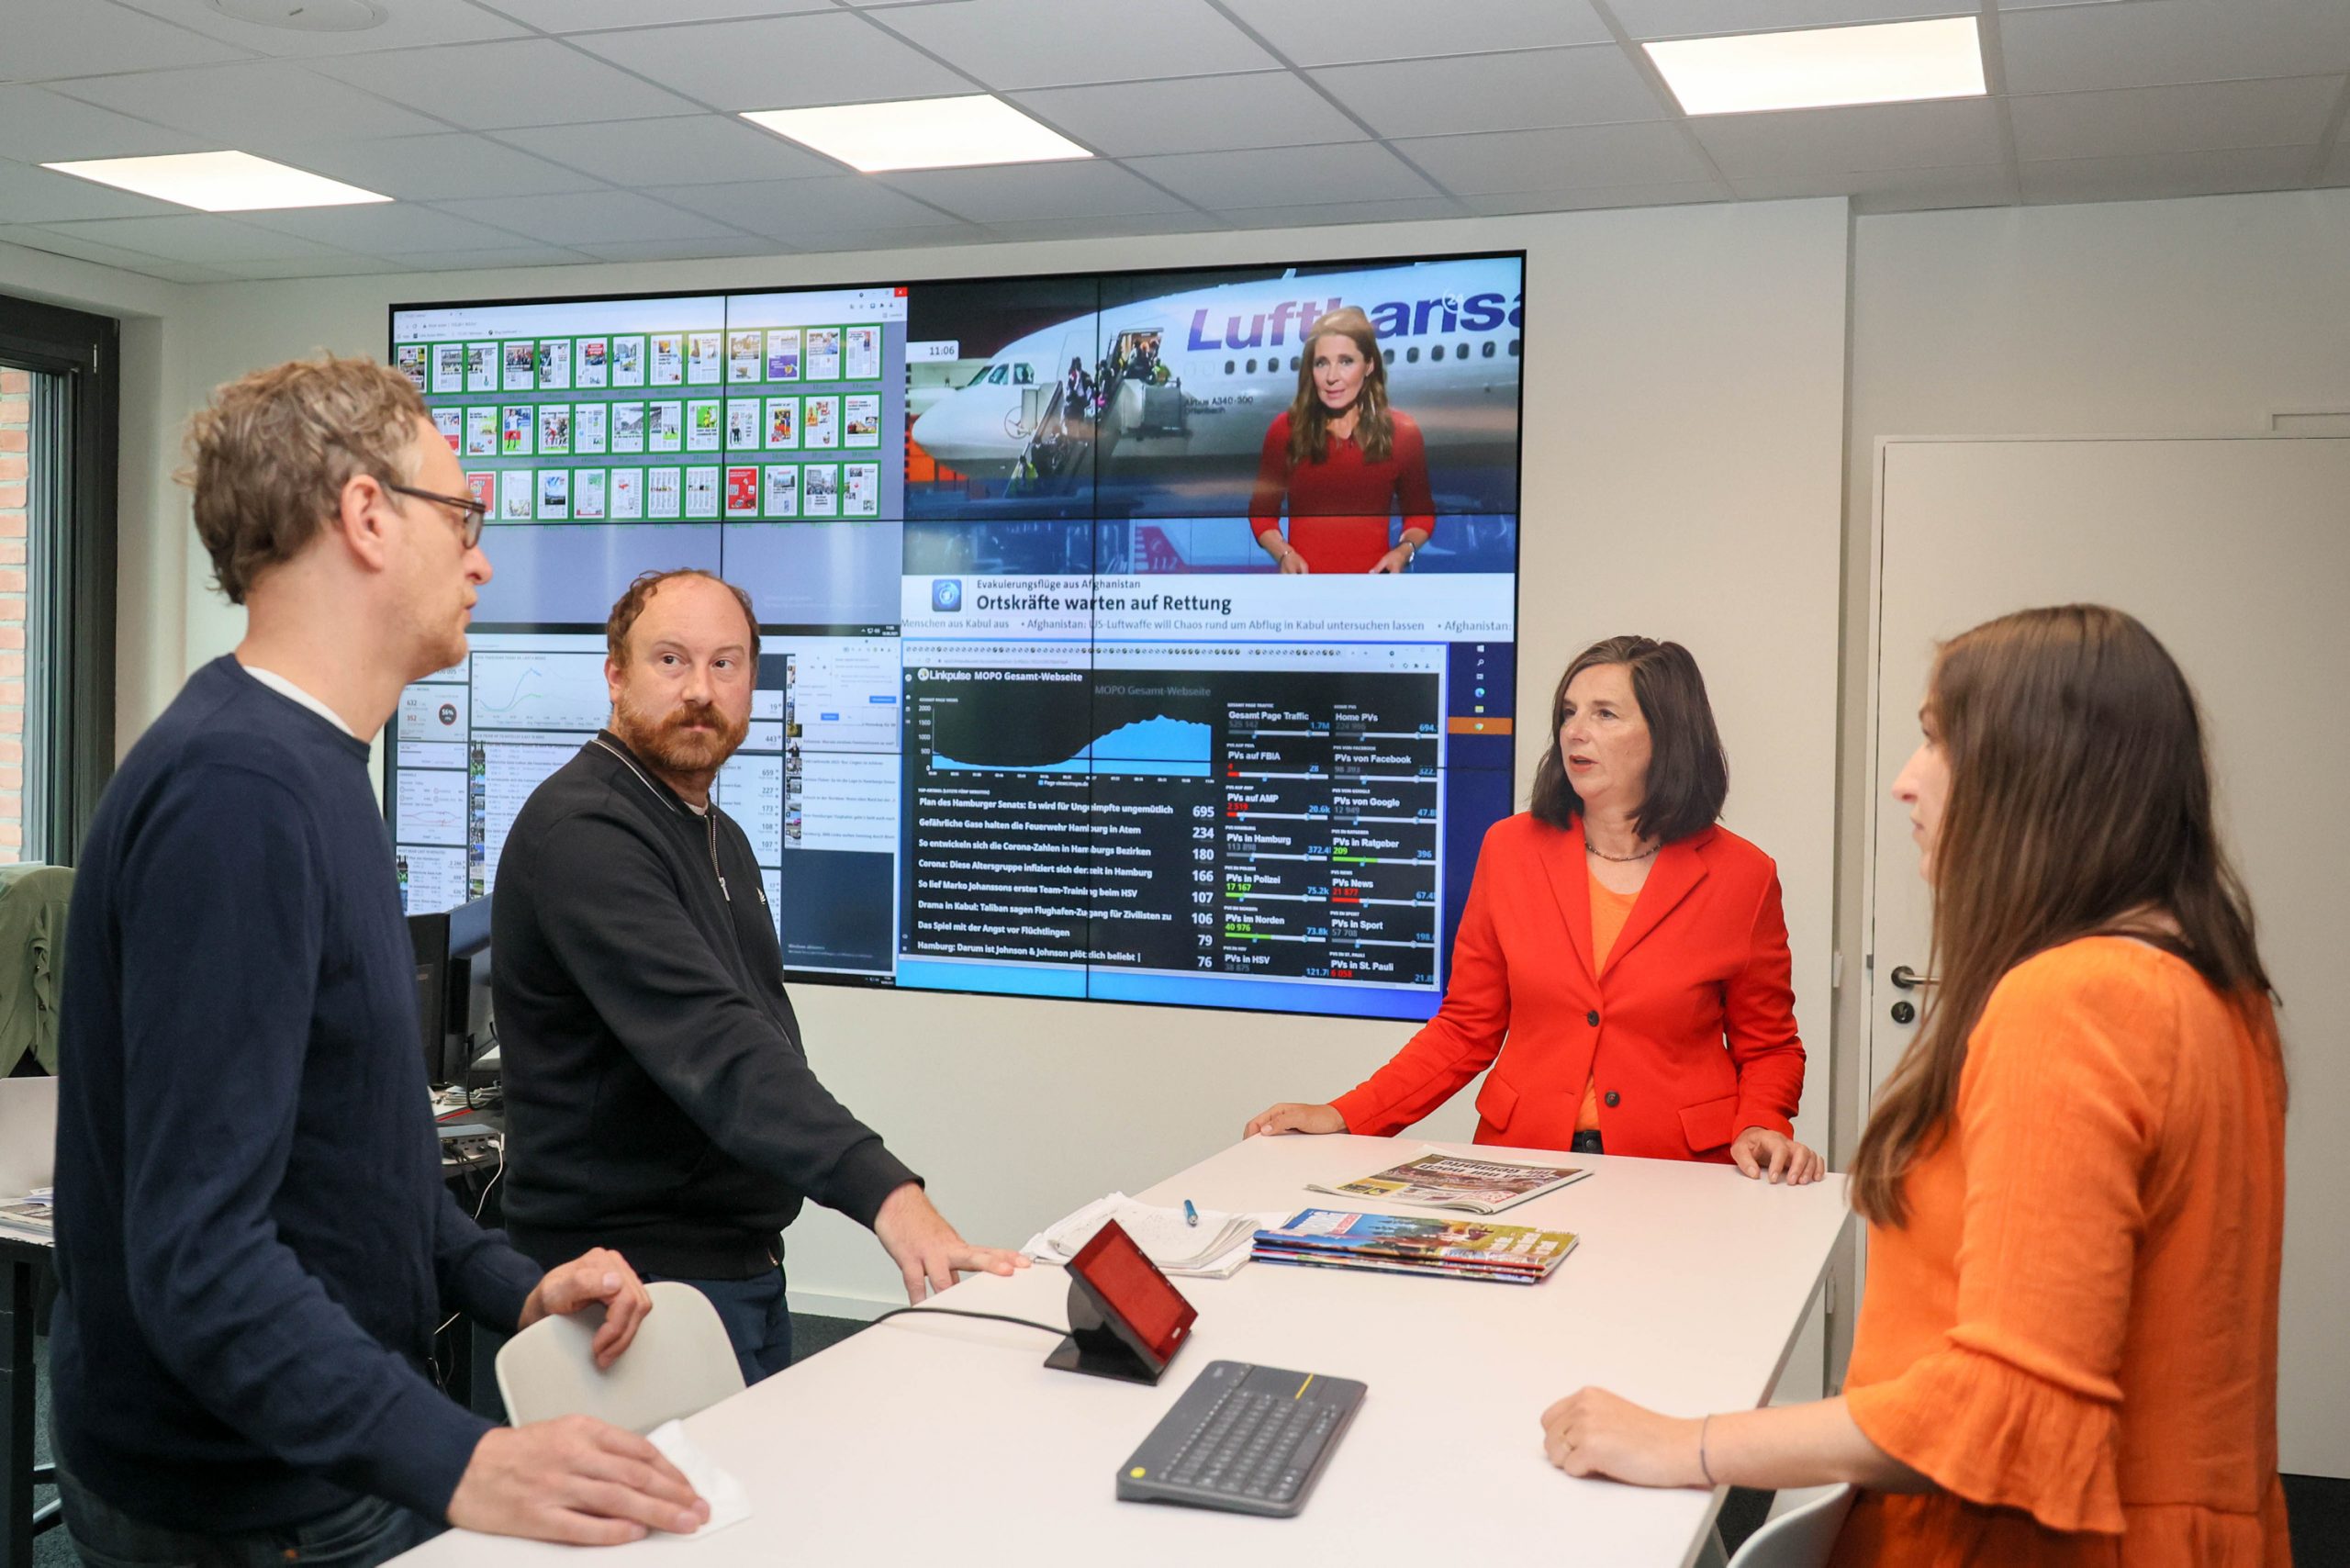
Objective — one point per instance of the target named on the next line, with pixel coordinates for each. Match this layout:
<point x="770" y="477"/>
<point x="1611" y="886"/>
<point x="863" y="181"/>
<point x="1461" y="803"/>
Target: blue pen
<point x="1190" y="1215"/>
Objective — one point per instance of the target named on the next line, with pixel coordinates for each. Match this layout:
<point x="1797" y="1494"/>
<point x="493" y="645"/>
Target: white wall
<point x="1684" y="408"/>
<point x="2211" y="315"/>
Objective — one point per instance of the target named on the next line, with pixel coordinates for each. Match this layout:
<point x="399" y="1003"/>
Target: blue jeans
<point x="361" y="1534"/>
<point x="758" y="1319"/>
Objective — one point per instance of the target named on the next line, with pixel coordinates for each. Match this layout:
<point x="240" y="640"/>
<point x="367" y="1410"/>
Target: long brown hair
<point x="2080" y="803"/>
<point x="1309" y="421"/>
<point x="1688" y="770"/>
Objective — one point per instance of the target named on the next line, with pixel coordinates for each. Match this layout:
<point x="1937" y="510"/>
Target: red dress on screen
<point x="1339" y="508"/>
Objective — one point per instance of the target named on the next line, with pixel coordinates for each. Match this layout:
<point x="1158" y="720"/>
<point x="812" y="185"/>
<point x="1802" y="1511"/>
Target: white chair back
<point x="1800" y="1538"/>
<point x="27" y="1135"/>
<point x="680" y="1362"/>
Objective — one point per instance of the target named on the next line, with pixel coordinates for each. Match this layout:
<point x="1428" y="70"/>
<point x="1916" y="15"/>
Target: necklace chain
<point x="1590" y="848"/>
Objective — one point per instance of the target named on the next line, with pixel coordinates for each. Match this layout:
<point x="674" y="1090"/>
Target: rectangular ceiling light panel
<point x="921" y="133"/>
<point x="218" y="182"/>
<point x="1887" y="63"/>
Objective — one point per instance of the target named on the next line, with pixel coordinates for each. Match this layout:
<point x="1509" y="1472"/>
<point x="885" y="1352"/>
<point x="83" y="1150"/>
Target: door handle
<point x="1904" y="978"/>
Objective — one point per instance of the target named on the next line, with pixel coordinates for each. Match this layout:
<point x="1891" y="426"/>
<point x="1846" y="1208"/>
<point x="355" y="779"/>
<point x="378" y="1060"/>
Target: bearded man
<point x="657" y="1095"/>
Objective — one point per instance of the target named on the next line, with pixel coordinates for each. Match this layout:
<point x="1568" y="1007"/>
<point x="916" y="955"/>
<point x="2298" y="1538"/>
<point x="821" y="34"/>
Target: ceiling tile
<point x="705" y="149"/>
<point x="1562" y="159"/>
<point x="489" y="87"/>
<point x="258" y="107"/>
<point x="1676" y="193"/>
<point x="721" y="248"/>
<point x="1340" y="33"/>
<point x="81" y="37"/>
<point x="475" y="261"/>
<point x="38" y="126"/>
<point x="786" y="209"/>
<point x="64" y="243"/>
<point x="1357" y="170"/>
<point x="592" y="16"/>
<point x="2124" y="121"/>
<point x="407" y="24"/>
<point x="1198" y="114"/>
<point x="448" y="165"/>
<point x="2170" y="174"/>
<point x="1496" y="92"/>
<point x="204" y="237"/>
<point x="786" y="62"/>
<point x="1316" y="213"/>
<point x="839" y="239"/>
<point x="314" y="266"/>
<point x="1060" y="44"/>
<point x="1699" y="18"/>
<point x="1012" y="191"/>
<point x="587" y="217"/>
<point x="39" y="196"/>
<point x="391" y="229"/>
<point x="1892" y="190"/>
<point x="1870" y="135"/>
<point x="2152" y="43"/>
<point x="1123" y="226"/>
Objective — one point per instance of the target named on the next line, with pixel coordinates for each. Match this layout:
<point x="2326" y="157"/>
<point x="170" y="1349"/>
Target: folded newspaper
<point x="1439" y="1181"/>
<point x="32" y="1215"/>
<point x="1212" y="1249"/>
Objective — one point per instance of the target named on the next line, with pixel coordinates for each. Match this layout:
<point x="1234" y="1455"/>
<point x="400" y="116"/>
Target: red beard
<point x="673" y="745"/>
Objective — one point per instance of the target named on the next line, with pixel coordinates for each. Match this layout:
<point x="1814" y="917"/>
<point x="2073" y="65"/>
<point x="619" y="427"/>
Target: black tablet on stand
<point x="1126" y="1320"/>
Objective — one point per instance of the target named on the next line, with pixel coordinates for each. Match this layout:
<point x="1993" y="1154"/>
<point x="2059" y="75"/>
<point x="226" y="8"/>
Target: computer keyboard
<point x="1248" y="1438"/>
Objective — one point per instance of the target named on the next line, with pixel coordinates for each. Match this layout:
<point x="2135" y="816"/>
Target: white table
<point x="928" y="1442"/>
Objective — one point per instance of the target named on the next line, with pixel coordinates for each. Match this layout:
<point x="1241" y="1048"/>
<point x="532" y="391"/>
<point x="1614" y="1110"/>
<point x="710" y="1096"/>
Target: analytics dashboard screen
<point x="1078" y="678"/>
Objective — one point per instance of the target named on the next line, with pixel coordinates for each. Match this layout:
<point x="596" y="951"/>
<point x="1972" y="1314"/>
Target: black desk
<point x="25" y="1262"/>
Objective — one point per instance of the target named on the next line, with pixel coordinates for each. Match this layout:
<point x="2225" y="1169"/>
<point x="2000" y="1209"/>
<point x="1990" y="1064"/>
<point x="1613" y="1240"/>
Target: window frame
<point x="69" y="569"/>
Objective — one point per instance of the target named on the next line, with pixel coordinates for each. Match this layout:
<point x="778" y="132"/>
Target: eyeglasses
<point x="471" y="514"/>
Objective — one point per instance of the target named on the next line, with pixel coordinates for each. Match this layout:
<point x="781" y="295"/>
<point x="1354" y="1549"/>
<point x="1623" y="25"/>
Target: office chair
<point x="680" y="1362"/>
<point x="1800" y="1538"/>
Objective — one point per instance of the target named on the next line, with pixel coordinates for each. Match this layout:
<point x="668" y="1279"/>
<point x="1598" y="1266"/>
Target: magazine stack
<point x="1400" y="1244"/>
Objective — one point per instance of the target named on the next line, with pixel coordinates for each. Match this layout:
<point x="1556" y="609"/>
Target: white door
<point x="2235" y="552"/>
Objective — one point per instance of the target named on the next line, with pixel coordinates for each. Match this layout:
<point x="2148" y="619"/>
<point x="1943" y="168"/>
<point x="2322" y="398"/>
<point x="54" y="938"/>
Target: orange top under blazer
<point x="1689" y="1029"/>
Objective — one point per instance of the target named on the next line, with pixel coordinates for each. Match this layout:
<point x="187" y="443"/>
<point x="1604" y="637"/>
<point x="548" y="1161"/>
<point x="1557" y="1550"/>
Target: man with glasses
<point x="252" y="1235"/>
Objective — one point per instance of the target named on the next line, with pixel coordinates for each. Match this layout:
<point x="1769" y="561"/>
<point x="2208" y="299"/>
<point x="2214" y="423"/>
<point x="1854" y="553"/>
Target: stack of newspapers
<point x="32" y="1217"/>
<point x="1404" y="1244"/>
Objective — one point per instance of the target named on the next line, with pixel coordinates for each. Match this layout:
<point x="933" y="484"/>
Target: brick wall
<point x="15" y="420"/>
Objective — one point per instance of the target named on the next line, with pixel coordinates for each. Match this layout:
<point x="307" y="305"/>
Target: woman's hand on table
<point x="1761" y="1153"/>
<point x="1594" y="1432"/>
<point x="1292" y="1117"/>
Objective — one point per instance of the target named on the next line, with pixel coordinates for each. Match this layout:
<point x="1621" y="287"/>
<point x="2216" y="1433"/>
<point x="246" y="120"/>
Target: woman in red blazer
<point x="1623" y="957"/>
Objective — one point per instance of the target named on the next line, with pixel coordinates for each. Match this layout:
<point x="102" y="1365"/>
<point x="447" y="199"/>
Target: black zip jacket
<point x="657" y="1099"/>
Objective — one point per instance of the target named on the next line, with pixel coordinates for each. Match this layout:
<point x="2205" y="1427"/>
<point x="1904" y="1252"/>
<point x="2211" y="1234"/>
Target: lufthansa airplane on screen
<point x="1202" y="373"/>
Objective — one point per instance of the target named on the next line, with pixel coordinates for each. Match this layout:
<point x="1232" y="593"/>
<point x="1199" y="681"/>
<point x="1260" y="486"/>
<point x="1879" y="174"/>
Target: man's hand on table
<point x="928" y="1251"/>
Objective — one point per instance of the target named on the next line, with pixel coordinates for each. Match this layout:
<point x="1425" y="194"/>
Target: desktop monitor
<point x="452" y="951"/>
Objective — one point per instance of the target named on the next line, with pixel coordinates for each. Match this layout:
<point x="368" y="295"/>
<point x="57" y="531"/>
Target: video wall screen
<point x="1040" y="711"/>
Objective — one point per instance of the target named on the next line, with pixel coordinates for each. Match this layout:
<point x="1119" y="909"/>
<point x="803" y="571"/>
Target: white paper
<point x="729" y="1503"/>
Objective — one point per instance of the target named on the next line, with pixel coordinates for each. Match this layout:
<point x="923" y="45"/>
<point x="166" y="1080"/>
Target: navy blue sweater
<point x="252" y="1234"/>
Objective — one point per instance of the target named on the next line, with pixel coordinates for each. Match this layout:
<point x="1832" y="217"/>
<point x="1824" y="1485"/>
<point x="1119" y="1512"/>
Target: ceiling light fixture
<point x="1886" y="62"/>
<point x="921" y="133"/>
<point x="218" y="182"/>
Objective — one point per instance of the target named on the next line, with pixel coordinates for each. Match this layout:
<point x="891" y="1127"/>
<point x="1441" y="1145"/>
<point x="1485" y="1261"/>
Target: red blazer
<point x="1690" y="1030"/>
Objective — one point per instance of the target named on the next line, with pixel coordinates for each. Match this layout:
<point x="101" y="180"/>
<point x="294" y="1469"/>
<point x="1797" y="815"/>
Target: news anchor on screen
<point x="1622" y="963"/>
<point x="1341" y="461"/>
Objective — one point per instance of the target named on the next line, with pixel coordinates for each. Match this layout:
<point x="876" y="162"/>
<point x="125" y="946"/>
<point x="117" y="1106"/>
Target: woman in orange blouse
<point x="1623" y="957"/>
<point x="2075" y="1178"/>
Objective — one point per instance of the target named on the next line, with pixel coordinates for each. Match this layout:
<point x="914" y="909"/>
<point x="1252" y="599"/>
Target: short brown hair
<point x="1688" y="771"/>
<point x="640" y="593"/>
<point x="269" y="456"/>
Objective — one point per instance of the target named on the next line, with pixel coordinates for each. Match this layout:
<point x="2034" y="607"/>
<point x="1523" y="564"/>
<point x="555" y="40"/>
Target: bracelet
<point x="1703" y="1468"/>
